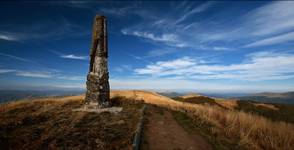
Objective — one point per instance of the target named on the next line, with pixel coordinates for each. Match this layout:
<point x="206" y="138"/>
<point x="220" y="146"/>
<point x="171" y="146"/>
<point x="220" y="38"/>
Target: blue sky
<point x="203" y="46"/>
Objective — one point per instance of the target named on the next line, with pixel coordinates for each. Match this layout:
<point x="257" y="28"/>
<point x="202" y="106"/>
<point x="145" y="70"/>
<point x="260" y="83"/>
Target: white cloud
<point x="123" y="68"/>
<point x="257" y="67"/>
<point x="195" y="10"/>
<point x="6" y="70"/>
<point x="34" y="74"/>
<point x="122" y="11"/>
<point x="16" y="58"/>
<point x="68" y="86"/>
<point x="8" y="37"/>
<point x="261" y="24"/>
<point x="160" y="52"/>
<point x="165" y="38"/>
<point x="67" y="56"/>
<point x="273" y="40"/>
<point x="219" y="48"/>
<point x="160" y="66"/>
<point x="275" y="17"/>
<point x="58" y="28"/>
<point x="71" y="56"/>
<point x="66" y="77"/>
<point x="46" y="74"/>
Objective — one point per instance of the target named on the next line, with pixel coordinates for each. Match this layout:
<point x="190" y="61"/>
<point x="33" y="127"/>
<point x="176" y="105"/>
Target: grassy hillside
<point x="51" y="123"/>
<point x="275" y="112"/>
<point x="247" y="130"/>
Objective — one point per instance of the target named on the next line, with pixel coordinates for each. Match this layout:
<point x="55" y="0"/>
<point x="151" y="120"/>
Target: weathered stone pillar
<point x="97" y="94"/>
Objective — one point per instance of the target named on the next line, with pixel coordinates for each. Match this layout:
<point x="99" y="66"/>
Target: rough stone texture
<point x="114" y="110"/>
<point x="97" y="79"/>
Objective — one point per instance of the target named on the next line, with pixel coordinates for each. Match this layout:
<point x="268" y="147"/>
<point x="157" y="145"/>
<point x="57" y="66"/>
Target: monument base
<point x="94" y="107"/>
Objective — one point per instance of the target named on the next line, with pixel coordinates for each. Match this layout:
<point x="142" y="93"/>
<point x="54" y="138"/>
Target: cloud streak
<point x="195" y="10"/>
<point x="68" y="56"/>
<point x="273" y="18"/>
<point x="288" y="37"/>
<point x="8" y="37"/>
<point x="6" y="71"/>
<point x="47" y="74"/>
<point x="34" y="74"/>
<point x="17" y="58"/>
<point x="269" y="24"/>
<point x="71" y="56"/>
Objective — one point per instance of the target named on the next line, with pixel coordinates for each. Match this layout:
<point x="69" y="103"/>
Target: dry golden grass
<point x="252" y="131"/>
<point x="50" y="123"/>
<point x="46" y="102"/>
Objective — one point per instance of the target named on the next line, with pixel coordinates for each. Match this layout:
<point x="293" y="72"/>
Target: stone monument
<point x="97" y="94"/>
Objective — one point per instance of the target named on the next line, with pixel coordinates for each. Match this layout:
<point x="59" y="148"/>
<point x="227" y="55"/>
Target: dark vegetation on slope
<point x="51" y="124"/>
<point x="267" y="97"/>
<point x="170" y="94"/>
<point x="198" y="100"/>
<point x="284" y="112"/>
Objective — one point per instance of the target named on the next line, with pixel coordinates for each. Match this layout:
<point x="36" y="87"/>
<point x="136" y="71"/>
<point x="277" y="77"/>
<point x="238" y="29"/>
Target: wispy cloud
<point x="257" y="67"/>
<point x="288" y="37"/>
<point x="269" y="24"/>
<point x="161" y="38"/>
<point x="8" y="37"/>
<point x="6" y="70"/>
<point x="68" y="56"/>
<point x="160" y="52"/>
<point x="275" y="17"/>
<point x="220" y="48"/>
<point x="47" y="74"/>
<point x="71" y="56"/>
<point x="179" y="29"/>
<point x="59" y="28"/>
<point x="168" y="38"/>
<point x="70" y="77"/>
<point x="28" y="61"/>
<point x="157" y="68"/>
<point x="121" y="11"/>
<point x="123" y="68"/>
<point x="34" y="74"/>
<point x="16" y="58"/>
<point x="194" y="10"/>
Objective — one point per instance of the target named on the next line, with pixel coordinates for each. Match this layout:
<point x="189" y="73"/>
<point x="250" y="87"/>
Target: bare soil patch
<point x="162" y="132"/>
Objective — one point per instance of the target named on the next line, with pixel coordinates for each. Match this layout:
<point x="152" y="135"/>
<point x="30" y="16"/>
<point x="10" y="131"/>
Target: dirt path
<point x="162" y="132"/>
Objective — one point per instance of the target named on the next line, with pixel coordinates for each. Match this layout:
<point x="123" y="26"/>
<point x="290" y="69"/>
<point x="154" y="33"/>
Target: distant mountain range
<point x="269" y="97"/>
<point x="265" y="97"/>
<point x="170" y="94"/>
<point x="12" y="95"/>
